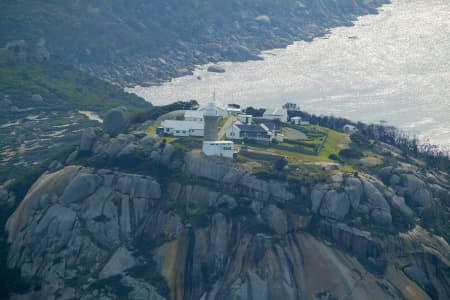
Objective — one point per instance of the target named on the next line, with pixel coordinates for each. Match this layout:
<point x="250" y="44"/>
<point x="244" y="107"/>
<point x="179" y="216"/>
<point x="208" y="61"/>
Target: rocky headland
<point x="139" y="218"/>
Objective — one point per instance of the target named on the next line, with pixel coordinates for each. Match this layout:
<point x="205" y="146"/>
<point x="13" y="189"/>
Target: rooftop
<point x="193" y="114"/>
<point x="183" y="125"/>
<point x="275" y="112"/>
<point x="251" y="128"/>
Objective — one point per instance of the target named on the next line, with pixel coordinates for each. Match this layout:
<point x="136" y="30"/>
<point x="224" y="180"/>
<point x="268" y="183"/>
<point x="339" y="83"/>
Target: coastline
<point x="236" y="43"/>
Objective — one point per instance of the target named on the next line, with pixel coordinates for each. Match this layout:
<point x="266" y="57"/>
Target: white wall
<point x="233" y="133"/>
<point x="218" y="149"/>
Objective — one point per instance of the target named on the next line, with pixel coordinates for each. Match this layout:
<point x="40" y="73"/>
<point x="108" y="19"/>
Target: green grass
<point x="336" y="141"/>
<point x="63" y="88"/>
<point x="151" y="130"/>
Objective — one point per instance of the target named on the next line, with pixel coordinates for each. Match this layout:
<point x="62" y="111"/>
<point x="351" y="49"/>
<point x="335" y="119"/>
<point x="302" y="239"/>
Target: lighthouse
<point x="211" y="118"/>
<point x="211" y="145"/>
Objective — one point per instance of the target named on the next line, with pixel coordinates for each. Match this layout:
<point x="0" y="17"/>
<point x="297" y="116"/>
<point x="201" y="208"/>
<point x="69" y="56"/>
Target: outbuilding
<point x="183" y="128"/>
<point x="239" y="131"/>
<point x="218" y="148"/>
<point x="276" y="114"/>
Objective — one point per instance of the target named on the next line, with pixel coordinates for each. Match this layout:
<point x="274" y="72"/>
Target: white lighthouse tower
<point x="211" y="145"/>
<point x="211" y="118"/>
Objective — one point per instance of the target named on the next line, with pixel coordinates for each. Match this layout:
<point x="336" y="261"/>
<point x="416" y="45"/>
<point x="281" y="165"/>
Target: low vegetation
<point x="62" y="87"/>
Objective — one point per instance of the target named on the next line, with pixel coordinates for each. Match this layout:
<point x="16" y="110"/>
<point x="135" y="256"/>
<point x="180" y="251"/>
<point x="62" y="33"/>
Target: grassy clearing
<point x="336" y="141"/>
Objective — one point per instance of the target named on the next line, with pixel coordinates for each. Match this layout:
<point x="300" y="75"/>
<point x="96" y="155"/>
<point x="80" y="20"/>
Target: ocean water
<point x="394" y="66"/>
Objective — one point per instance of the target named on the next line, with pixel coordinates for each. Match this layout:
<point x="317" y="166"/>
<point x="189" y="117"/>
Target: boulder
<point x="88" y="137"/>
<point x="115" y="121"/>
<point x="121" y="260"/>
<point x="400" y="204"/>
<point x="395" y="180"/>
<point x="72" y="157"/>
<point x="226" y="201"/>
<point x="335" y="205"/>
<point x="216" y="69"/>
<point x="128" y="150"/>
<point x="279" y="192"/>
<point x="117" y="146"/>
<point x="374" y="196"/>
<point x="276" y="219"/>
<point x="316" y="197"/>
<point x="423" y="197"/>
<point x="3" y="196"/>
<point x="37" y="98"/>
<point x="167" y="153"/>
<point x="81" y="187"/>
<point x="412" y="183"/>
<point x="354" y="189"/>
<point x="149" y="140"/>
<point x="382" y="216"/>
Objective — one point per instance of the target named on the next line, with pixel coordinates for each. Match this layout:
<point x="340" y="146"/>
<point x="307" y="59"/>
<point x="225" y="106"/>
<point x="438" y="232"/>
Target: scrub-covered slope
<point x="139" y="41"/>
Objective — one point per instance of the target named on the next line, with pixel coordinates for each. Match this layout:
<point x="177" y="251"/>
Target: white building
<point x="299" y="121"/>
<point x="193" y="115"/>
<point x="349" y="129"/>
<point x="296" y="120"/>
<point x="276" y="114"/>
<point x="218" y="148"/>
<point x="234" y="109"/>
<point x="183" y="128"/>
<point x="239" y="131"/>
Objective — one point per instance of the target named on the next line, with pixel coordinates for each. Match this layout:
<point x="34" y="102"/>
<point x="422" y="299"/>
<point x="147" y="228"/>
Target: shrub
<point x="333" y="157"/>
<point x="351" y="153"/>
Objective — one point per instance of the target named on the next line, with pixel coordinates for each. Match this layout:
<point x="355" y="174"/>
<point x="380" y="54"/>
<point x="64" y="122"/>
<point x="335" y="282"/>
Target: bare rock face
<point x="412" y="185"/>
<point x="247" y="184"/>
<point x="121" y="260"/>
<point x="76" y="221"/>
<point x="336" y="200"/>
<point x="335" y="205"/>
<point x="218" y="233"/>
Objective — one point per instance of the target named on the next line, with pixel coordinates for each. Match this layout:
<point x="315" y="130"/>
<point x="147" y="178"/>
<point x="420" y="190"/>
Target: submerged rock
<point x="216" y="69"/>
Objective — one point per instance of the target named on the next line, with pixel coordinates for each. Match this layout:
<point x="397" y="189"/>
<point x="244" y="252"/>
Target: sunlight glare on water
<point x="394" y="66"/>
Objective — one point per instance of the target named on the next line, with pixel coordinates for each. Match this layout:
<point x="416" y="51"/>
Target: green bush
<point x="333" y="157"/>
<point x="350" y="154"/>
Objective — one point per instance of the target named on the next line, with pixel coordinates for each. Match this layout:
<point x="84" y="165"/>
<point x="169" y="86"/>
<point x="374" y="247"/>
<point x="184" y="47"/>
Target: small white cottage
<point x="276" y="114"/>
<point x="183" y="128"/>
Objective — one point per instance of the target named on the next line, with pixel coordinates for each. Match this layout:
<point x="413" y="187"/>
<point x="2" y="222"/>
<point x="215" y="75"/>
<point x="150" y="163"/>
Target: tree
<point x="280" y="164"/>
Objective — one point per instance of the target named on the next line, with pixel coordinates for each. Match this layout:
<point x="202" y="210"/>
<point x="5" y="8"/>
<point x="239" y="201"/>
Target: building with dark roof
<point x="256" y="132"/>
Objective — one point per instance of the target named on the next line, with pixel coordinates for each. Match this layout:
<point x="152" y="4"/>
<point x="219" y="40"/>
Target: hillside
<point x="40" y="104"/>
<point x="148" y="41"/>
<point x="60" y="87"/>
<point x="141" y="217"/>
